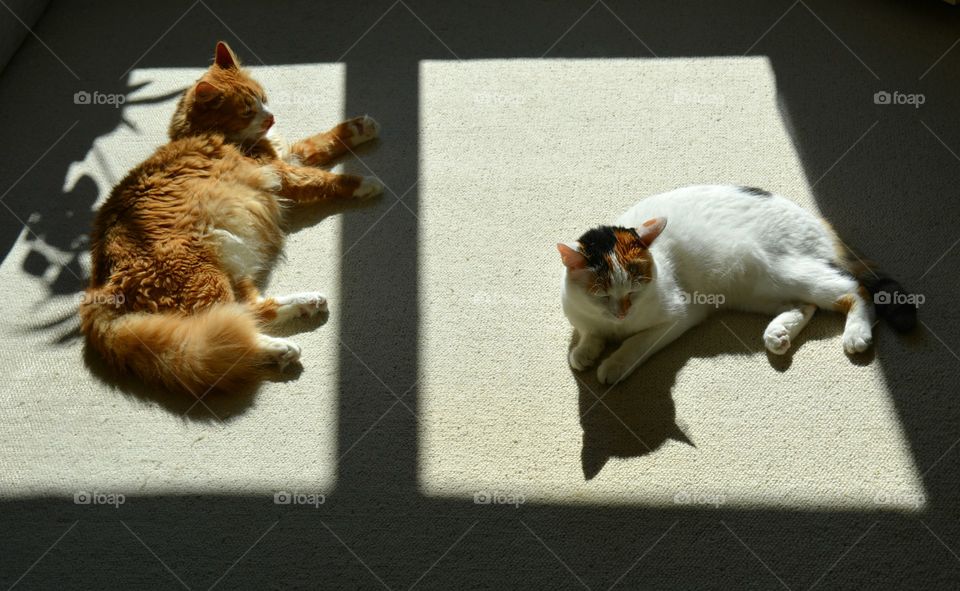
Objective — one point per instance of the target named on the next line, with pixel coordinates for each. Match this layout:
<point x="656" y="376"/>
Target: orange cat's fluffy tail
<point x="212" y="350"/>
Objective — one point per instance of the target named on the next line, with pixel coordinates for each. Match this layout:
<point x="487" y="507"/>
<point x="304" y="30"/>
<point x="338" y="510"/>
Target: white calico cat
<point x="645" y="281"/>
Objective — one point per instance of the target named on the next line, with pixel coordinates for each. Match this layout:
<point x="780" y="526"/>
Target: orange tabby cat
<point x="178" y="245"/>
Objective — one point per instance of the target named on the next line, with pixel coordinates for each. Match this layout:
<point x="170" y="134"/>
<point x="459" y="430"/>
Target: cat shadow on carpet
<point x="638" y="416"/>
<point x="206" y="407"/>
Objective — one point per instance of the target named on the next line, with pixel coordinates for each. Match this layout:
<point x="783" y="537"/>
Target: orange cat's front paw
<point x="370" y="187"/>
<point x="362" y="129"/>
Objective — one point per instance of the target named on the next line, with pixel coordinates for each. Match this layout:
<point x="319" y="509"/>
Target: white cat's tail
<point x="216" y="349"/>
<point x="891" y="300"/>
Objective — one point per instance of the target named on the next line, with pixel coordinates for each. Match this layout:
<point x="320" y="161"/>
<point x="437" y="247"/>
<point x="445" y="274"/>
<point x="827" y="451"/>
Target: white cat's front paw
<point x="370" y="187"/>
<point x="613" y="370"/>
<point x="581" y="358"/>
<point x="364" y="129"/>
<point x="777" y="339"/>
<point x="857" y="337"/>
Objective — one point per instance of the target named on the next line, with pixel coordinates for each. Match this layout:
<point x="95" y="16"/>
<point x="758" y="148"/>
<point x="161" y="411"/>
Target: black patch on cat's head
<point x="598" y="243"/>
<point x="755" y="191"/>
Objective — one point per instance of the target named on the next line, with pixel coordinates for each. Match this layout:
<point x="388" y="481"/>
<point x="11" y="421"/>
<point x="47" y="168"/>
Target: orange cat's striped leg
<point x="320" y="149"/>
<point x="304" y="184"/>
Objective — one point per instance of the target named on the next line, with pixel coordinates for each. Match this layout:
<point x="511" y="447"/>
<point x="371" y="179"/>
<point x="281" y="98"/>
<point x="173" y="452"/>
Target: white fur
<point x="369" y="187"/>
<point x="760" y="253"/>
<point x="241" y="257"/>
<point x="366" y="130"/>
<point x="299" y="305"/>
<point x="281" y="351"/>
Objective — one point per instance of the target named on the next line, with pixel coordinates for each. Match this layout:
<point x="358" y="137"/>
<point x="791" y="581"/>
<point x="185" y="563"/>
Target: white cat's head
<point x="611" y="267"/>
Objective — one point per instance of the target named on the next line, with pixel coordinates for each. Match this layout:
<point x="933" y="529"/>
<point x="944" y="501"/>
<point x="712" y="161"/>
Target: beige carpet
<point x="439" y="385"/>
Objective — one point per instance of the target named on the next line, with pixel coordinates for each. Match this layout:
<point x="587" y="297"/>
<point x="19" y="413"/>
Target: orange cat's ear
<point x="224" y="57"/>
<point x="650" y="230"/>
<point x="572" y="259"/>
<point x="204" y="91"/>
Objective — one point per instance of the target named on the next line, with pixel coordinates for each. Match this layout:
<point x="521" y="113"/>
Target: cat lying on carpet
<point x="180" y="242"/>
<point x="645" y="282"/>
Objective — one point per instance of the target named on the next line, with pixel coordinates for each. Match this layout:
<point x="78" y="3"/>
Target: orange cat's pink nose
<point x="268" y="122"/>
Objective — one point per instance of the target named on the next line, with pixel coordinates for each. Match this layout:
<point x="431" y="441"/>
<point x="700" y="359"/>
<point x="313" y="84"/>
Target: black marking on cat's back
<point x="756" y="192"/>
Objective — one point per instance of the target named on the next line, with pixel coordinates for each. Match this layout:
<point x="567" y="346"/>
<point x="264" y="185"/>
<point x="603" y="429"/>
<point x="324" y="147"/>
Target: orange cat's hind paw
<point x="279" y="351"/>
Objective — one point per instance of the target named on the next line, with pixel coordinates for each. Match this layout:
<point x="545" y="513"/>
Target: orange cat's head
<point x="224" y="100"/>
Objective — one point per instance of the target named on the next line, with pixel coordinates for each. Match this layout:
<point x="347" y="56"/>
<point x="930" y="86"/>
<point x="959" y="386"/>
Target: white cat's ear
<point x="224" y="56"/>
<point x="572" y="259"/>
<point x="204" y="91"/>
<point x="650" y="229"/>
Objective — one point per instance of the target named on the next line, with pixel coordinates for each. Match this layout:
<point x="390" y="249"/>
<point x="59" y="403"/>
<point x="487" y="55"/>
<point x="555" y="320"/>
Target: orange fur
<point x="166" y="301"/>
<point x="324" y="147"/>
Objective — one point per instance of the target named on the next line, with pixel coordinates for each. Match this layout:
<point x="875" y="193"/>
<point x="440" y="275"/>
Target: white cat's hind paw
<point x="777" y="339"/>
<point x="370" y="187"/>
<point x="857" y="337"/>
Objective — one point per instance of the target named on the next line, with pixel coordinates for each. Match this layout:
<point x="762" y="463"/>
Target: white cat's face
<point x="610" y="268"/>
